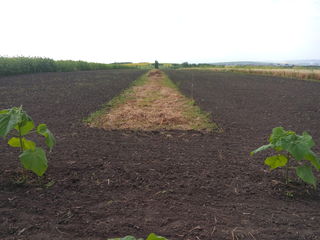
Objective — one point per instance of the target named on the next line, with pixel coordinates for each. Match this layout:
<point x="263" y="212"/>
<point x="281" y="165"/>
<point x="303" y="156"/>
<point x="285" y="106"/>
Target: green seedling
<point x="151" y="236"/>
<point x="291" y="146"/>
<point x="17" y="122"/>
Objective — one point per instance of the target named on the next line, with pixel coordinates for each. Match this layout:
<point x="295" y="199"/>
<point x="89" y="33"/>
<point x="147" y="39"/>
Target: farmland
<point x="23" y="65"/>
<point x="298" y="72"/>
<point x="179" y="184"/>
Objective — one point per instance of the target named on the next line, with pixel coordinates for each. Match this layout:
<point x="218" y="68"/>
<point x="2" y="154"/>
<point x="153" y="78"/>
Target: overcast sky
<point x="166" y="30"/>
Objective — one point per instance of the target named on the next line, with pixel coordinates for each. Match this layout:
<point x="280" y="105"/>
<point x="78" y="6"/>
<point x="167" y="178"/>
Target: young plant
<point x="291" y="146"/>
<point x="20" y="124"/>
<point x="151" y="236"/>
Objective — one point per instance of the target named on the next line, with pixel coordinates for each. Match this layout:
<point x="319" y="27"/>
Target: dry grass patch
<point x="154" y="105"/>
<point x="305" y="74"/>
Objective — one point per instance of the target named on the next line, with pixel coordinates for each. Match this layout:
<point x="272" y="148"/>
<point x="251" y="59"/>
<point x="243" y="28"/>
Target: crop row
<point x="299" y="73"/>
<point x="22" y="65"/>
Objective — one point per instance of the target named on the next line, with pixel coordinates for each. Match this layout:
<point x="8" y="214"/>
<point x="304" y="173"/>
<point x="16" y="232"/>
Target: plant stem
<point x="24" y="173"/>
<point x="20" y="138"/>
<point x="287" y="169"/>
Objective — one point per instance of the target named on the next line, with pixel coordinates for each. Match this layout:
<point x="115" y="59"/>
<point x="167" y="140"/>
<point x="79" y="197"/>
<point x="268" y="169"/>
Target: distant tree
<point x="156" y="64"/>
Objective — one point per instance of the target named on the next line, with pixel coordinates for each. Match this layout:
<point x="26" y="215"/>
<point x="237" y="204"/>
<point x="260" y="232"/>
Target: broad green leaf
<point x="277" y="133"/>
<point x="34" y="160"/>
<point x="14" y="142"/>
<point x="276" y="161"/>
<point x="128" y="238"/>
<point x="153" y="236"/>
<point x="26" y="124"/>
<point x="285" y="142"/>
<point x="315" y="161"/>
<point x="4" y="111"/>
<point x="44" y="131"/>
<point x="300" y="146"/>
<point x="305" y="173"/>
<point x="26" y="144"/>
<point x="281" y="139"/>
<point x="298" y="150"/>
<point x="26" y="127"/>
<point x="277" y="148"/>
<point x="125" y="238"/>
<point x="307" y="139"/>
<point x="264" y="147"/>
<point x="8" y="120"/>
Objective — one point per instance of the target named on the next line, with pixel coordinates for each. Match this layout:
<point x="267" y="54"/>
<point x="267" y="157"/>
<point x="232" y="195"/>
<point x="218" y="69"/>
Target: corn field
<point x="23" y="65"/>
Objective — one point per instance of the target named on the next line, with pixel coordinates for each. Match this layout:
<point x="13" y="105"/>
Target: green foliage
<point x="151" y="236"/>
<point x="22" y="65"/>
<point x="22" y="143"/>
<point x="44" y="131"/>
<point x="17" y="121"/>
<point x="34" y="160"/>
<point x="126" y="238"/>
<point x="276" y="161"/>
<point x="297" y="147"/>
<point x="70" y="66"/>
<point x="305" y="173"/>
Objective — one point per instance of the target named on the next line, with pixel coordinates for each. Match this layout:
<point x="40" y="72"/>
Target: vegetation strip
<point x="22" y="65"/>
<point x="153" y="103"/>
<point x="297" y="73"/>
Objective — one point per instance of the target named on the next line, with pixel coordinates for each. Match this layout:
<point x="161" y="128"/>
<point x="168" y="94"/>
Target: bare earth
<point x="183" y="185"/>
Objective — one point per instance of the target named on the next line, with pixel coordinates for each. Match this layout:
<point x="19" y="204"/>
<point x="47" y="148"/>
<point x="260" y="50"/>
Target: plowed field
<point x="178" y="184"/>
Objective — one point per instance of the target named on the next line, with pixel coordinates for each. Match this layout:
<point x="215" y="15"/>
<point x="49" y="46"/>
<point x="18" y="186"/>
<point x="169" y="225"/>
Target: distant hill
<point x="245" y="63"/>
<point x="310" y="62"/>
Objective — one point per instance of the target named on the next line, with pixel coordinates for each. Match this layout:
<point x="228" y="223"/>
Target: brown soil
<point x="153" y="106"/>
<point x="179" y="184"/>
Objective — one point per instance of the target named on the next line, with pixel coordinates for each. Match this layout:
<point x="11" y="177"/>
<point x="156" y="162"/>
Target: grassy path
<point x="153" y="104"/>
